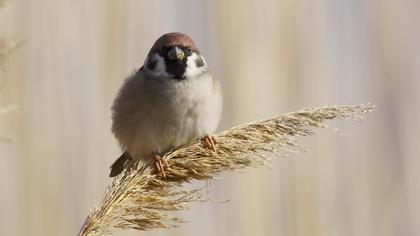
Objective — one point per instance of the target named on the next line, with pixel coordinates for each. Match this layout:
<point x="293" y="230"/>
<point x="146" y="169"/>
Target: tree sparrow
<point x="172" y="100"/>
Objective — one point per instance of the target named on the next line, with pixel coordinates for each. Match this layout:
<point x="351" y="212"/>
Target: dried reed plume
<point x="140" y="199"/>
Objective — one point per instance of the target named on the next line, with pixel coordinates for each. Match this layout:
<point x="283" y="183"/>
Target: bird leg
<point x="161" y="165"/>
<point x="209" y="142"/>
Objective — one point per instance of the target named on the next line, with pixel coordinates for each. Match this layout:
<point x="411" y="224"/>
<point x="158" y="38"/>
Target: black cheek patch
<point x="199" y="62"/>
<point x="151" y="64"/>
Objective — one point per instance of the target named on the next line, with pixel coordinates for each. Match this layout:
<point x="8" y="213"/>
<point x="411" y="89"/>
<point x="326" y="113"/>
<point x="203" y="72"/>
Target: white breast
<point x="155" y="115"/>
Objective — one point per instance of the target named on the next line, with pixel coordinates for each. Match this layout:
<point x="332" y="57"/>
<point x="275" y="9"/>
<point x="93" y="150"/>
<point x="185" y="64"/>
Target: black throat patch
<point x="175" y="68"/>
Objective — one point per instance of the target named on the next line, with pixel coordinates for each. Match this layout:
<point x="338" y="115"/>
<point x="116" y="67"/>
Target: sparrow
<point x="172" y="100"/>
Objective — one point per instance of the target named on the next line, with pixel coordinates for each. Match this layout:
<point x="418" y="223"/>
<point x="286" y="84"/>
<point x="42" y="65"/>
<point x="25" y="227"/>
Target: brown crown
<point x="173" y="39"/>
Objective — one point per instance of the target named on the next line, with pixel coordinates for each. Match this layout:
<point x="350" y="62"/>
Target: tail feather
<point x="118" y="166"/>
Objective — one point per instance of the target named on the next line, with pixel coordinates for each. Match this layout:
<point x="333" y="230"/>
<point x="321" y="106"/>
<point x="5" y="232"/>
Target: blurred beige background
<point x="273" y="56"/>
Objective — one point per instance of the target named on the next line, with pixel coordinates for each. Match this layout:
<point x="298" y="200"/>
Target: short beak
<point x="176" y="53"/>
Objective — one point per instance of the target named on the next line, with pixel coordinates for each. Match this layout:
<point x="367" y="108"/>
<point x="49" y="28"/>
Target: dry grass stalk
<point x="139" y="199"/>
<point x="6" y="48"/>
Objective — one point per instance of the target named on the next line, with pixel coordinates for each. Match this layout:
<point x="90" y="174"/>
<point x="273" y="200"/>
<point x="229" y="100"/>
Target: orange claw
<point x="161" y="165"/>
<point x="210" y="142"/>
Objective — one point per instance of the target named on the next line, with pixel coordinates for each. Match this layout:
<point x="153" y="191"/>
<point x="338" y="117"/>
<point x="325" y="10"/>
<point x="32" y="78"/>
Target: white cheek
<point x="160" y="68"/>
<point x="192" y="69"/>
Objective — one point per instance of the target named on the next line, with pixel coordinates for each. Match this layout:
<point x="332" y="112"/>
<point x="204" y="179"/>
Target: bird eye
<point x="189" y="49"/>
<point x="163" y="50"/>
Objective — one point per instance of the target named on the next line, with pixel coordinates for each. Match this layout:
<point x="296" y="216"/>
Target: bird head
<point x="176" y="56"/>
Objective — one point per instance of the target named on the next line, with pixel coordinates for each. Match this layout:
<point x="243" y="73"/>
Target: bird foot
<point x="209" y="142"/>
<point x="161" y="165"/>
